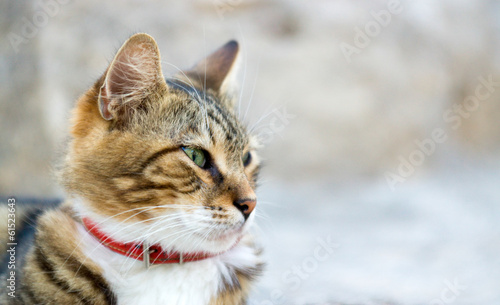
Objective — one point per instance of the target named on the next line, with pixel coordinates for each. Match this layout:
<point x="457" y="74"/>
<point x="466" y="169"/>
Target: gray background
<point x="350" y="122"/>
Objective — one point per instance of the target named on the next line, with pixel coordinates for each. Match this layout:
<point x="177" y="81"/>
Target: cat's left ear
<point x="133" y="75"/>
<point x="218" y="71"/>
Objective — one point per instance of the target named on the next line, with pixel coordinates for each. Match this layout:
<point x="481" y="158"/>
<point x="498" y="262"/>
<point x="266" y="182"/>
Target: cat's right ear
<point x="133" y="75"/>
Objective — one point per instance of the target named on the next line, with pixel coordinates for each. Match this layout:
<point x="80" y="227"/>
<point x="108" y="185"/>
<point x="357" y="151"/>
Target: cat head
<point x="164" y="161"/>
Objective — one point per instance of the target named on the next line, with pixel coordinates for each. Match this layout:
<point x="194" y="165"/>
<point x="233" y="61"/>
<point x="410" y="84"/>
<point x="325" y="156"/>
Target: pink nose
<point x="246" y="206"/>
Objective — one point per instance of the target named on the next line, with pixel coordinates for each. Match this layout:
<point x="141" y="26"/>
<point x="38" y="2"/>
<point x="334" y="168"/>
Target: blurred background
<point x="380" y="121"/>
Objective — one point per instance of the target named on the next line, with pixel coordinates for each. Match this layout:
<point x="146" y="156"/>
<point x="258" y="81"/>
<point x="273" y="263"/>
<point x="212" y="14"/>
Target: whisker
<point x="251" y="129"/>
<point x="244" y="73"/>
<point x="253" y="88"/>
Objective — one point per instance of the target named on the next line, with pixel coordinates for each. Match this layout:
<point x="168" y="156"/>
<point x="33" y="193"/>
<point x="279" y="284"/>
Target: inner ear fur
<point x="133" y="75"/>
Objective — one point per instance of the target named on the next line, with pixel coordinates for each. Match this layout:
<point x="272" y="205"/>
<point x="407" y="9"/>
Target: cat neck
<point x="198" y="282"/>
<point x="193" y="283"/>
<point x="148" y="254"/>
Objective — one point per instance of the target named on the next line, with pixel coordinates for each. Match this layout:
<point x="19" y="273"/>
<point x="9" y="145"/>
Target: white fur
<point x="192" y="283"/>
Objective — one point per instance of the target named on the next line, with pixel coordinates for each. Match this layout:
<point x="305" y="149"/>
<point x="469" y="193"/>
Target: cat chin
<point x="220" y="245"/>
<point x="215" y="243"/>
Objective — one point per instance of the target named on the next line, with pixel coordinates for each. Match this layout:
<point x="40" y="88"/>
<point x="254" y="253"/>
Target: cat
<point x="161" y="178"/>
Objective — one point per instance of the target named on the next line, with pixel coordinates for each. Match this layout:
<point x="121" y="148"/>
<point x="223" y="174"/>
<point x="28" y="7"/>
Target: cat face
<point x="166" y="162"/>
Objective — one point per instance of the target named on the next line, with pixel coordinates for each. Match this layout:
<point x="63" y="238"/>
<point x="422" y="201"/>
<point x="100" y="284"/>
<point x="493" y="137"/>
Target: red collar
<point x="139" y="251"/>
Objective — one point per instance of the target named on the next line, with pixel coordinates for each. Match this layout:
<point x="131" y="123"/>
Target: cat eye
<point x="246" y="158"/>
<point x="197" y="155"/>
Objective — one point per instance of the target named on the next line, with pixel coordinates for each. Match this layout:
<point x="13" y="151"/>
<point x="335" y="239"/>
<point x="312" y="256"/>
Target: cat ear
<point x="218" y="71"/>
<point x="132" y="76"/>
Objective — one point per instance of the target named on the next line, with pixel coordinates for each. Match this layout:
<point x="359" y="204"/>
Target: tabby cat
<point x="161" y="179"/>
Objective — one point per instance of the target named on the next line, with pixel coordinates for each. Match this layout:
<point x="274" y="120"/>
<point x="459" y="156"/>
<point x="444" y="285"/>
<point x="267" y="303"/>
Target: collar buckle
<point x="145" y="254"/>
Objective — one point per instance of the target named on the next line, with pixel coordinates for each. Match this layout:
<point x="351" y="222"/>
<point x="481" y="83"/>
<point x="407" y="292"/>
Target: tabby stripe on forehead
<point x="228" y="119"/>
<point x="157" y="155"/>
<point x="225" y="127"/>
<point x="215" y="112"/>
<point x="211" y="134"/>
<point x="229" y="126"/>
<point x="219" y="111"/>
<point x="217" y="120"/>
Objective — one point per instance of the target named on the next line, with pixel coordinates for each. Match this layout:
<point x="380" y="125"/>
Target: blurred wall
<point x="338" y="90"/>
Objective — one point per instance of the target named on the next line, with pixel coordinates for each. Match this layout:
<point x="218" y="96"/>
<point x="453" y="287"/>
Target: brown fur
<point x="98" y="169"/>
<point x="56" y="271"/>
<point x="128" y="130"/>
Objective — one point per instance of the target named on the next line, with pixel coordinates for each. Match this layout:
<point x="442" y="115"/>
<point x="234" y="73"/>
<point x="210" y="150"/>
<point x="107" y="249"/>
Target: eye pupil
<point x="197" y="155"/>
<point x="246" y="159"/>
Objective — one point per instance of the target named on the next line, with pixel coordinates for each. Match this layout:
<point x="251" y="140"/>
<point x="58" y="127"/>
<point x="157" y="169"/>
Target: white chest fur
<point x="194" y="283"/>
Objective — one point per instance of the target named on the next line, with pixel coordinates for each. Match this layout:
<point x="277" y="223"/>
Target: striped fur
<point x="126" y="169"/>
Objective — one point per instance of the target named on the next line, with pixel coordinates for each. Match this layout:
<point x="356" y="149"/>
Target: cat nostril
<point x="246" y="206"/>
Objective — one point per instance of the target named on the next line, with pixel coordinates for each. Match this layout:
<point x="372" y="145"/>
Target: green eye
<point x="246" y="158"/>
<point x="197" y="155"/>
